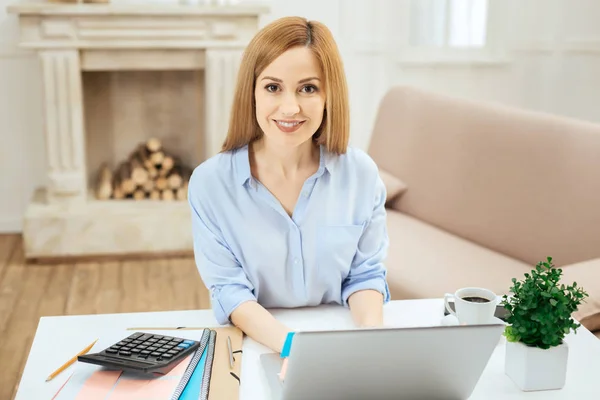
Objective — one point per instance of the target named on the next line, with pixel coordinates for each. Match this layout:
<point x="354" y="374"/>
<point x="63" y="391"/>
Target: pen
<point x="230" y="352"/>
<point x="71" y="361"/>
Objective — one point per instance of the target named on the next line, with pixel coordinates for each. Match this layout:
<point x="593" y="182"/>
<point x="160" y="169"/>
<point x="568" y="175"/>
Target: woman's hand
<point x="283" y="369"/>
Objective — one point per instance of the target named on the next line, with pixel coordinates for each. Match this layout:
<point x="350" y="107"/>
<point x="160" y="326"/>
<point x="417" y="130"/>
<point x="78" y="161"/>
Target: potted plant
<point x="539" y="318"/>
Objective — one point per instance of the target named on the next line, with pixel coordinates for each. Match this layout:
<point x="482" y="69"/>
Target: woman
<point x="286" y="215"/>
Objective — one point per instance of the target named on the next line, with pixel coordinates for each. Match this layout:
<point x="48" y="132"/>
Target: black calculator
<point x="143" y="352"/>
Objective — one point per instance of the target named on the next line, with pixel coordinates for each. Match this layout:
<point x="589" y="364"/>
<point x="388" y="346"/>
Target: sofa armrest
<point x="587" y="275"/>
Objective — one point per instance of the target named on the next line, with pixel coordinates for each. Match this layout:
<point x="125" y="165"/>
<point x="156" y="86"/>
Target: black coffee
<point x="475" y="299"/>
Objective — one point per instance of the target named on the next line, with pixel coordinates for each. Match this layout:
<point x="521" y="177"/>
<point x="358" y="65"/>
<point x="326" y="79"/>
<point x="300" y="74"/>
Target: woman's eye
<point x="310" y="89"/>
<point x="271" y="87"/>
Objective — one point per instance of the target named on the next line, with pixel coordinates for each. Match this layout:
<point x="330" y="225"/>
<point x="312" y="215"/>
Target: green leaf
<point x="553" y="302"/>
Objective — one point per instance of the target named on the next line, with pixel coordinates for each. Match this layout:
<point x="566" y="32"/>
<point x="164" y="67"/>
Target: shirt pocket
<point x="335" y="250"/>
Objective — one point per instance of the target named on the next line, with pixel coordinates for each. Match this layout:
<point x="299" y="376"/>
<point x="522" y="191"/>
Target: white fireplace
<point x="115" y="76"/>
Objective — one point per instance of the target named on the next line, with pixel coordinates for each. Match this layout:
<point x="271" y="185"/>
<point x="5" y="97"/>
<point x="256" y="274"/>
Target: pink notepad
<point x="92" y="383"/>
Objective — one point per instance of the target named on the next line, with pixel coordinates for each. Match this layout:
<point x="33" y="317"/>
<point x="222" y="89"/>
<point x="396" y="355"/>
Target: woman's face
<point x="290" y="98"/>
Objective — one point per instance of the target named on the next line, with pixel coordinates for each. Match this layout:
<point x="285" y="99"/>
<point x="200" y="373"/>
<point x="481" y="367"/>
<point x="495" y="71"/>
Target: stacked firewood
<point x="149" y="172"/>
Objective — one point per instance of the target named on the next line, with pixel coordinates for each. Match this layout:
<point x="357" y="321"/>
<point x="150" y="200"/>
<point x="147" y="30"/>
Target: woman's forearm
<point x="366" y="307"/>
<point x="259" y="324"/>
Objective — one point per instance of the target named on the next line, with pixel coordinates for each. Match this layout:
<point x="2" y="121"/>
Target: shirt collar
<point x="242" y="163"/>
<point x="326" y="161"/>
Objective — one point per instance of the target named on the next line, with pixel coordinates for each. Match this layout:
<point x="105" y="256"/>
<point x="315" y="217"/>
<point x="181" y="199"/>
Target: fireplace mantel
<point x="70" y="39"/>
<point x="125" y="26"/>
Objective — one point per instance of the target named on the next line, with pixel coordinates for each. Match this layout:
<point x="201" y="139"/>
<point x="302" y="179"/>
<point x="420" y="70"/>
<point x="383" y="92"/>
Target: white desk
<point x="59" y="338"/>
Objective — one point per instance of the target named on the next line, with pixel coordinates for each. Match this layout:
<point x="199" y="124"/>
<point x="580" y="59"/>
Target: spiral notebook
<point x="195" y="380"/>
<point x="93" y="382"/>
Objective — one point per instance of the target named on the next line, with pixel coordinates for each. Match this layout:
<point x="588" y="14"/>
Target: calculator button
<point x="145" y="352"/>
<point x="158" y="337"/>
<point x="166" y="356"/>
<point x="162" y="341"/>
<point x="177" y="341"/>
<point x="135" y="350"/>
<point x="125" y="348"/>
<point x="111" y="351"/>
<point x="167" y="338"/>
<point x="155" y="354"/>
<point x="183" y="345"/>
<point x="136" y="335"/>
<point x="190" y="342"/>
<point x="124" y="353"/>
<point x="143" y="356"/>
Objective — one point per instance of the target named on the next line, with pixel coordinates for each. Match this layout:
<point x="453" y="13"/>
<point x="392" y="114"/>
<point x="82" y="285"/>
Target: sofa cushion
<point x="426" y="262"/>
<point x="394" y="186"/>
<point x="587" y="275"/>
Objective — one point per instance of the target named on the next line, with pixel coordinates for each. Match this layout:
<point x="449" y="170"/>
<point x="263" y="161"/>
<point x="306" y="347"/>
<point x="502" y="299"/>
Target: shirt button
<point x="295" y="261"/>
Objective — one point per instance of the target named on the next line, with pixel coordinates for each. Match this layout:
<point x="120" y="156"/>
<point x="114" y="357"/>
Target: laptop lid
<point x="442" y="362"/>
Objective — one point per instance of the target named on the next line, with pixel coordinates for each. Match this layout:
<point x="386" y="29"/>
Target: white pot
<point x="532" y="368"/>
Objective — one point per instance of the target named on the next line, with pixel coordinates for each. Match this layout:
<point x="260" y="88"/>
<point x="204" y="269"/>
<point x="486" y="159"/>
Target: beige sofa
<point x="478" y="193"/>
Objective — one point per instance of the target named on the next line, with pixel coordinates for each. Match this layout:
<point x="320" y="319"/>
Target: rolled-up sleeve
<point x="219" y="269"/>
<point x="368" y="270"/>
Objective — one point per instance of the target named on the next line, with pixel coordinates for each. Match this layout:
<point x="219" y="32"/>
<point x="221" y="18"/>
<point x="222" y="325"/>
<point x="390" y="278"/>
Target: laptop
<point x="442" y="362"/>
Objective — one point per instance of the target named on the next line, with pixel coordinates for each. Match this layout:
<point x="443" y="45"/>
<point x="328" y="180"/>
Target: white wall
<point x="547" y="57"/>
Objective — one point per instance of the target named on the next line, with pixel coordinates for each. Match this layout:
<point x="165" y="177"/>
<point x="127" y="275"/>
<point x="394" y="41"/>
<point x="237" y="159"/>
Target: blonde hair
<point x="268" y="44"/>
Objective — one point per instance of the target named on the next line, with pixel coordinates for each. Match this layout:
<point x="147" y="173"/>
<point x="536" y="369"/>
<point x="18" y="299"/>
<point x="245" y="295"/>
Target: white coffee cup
<point x="473" y="305"/>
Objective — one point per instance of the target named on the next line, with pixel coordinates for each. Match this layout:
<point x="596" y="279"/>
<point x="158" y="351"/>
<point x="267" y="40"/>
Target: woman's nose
<point x="289" y="105"/>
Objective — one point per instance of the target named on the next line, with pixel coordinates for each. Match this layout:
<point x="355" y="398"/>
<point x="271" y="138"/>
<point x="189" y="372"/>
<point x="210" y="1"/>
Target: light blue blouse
<point x="248" y="248"/>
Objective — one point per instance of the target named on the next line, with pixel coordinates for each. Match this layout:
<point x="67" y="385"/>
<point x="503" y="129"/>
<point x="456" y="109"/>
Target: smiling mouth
<point x="288" y="124"/>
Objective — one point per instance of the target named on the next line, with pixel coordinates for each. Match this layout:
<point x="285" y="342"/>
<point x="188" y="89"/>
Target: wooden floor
<point x="30" y="291"/>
